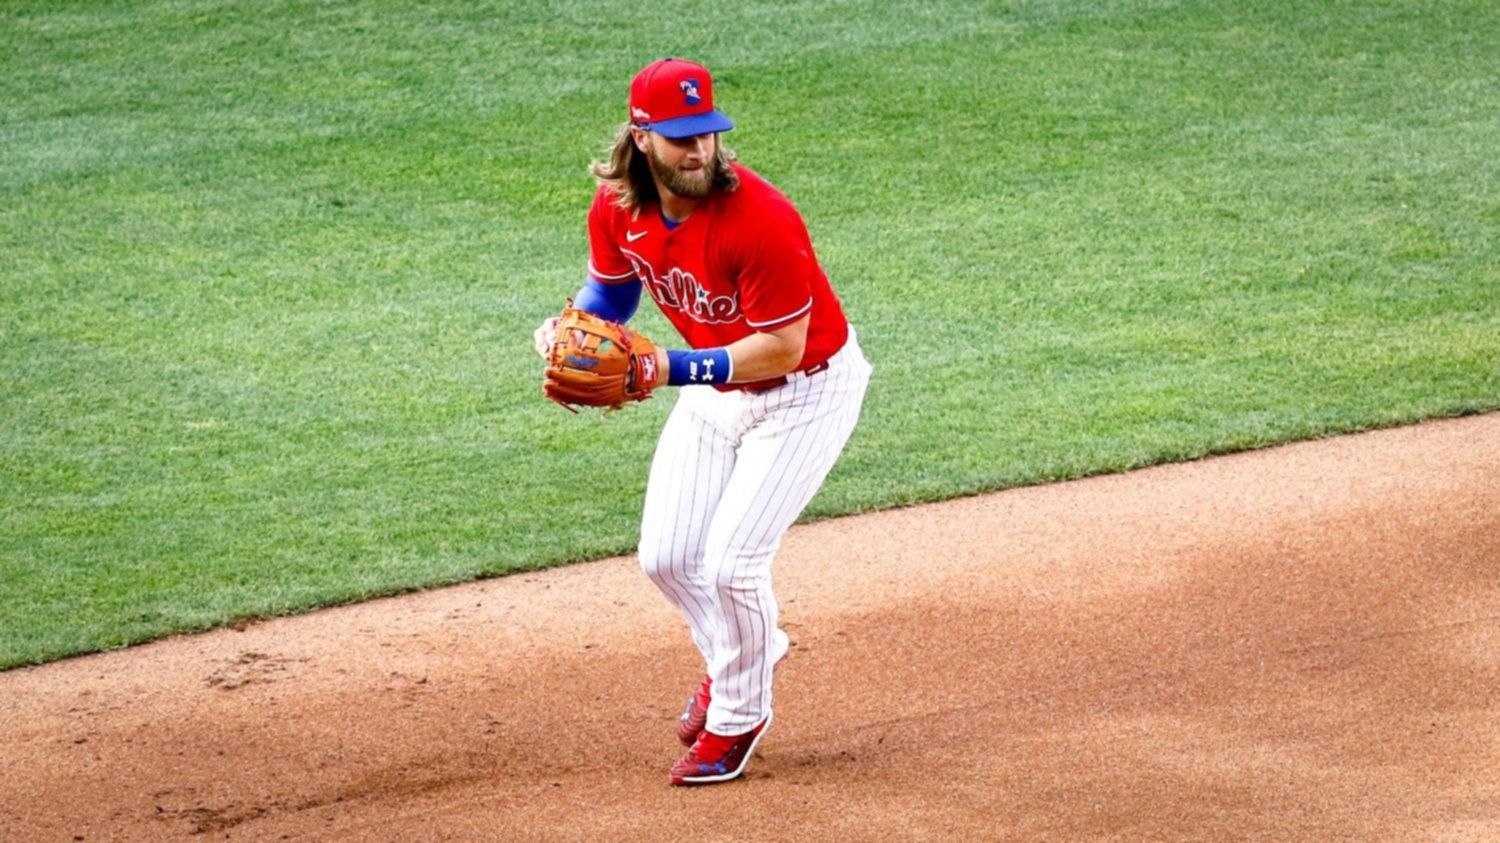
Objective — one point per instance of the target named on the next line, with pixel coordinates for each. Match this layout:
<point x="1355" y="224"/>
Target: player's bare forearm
<point x="769" y="354"/>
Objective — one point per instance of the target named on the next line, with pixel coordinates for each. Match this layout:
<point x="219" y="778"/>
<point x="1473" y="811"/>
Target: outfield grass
<point x="268" y="271"/>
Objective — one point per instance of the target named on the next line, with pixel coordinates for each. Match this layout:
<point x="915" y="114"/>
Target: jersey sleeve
<point x="778" y="271"/>
<point x="606" y="263"/>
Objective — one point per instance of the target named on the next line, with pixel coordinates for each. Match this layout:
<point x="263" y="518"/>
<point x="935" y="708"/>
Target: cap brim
<point x="693" y="124"/>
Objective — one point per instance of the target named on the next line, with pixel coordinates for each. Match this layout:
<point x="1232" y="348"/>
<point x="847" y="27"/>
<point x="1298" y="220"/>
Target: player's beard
<point x="689" y="184"/>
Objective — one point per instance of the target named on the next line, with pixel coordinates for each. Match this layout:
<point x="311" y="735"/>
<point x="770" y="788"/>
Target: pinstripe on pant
<point x="732" y="471"/>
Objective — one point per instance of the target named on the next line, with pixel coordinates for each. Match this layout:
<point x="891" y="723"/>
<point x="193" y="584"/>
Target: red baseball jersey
<point x="742" y="262"/>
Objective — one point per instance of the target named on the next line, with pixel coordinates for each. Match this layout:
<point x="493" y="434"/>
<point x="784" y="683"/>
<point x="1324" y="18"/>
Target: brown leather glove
<point x="598" y="363"/>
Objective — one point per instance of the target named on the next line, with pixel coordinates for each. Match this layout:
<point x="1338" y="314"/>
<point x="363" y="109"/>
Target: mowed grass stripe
<point x="270" y="272"/>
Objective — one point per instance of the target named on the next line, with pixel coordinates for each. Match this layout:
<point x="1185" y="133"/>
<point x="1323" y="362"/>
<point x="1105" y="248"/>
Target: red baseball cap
<point x="675" y="99"/>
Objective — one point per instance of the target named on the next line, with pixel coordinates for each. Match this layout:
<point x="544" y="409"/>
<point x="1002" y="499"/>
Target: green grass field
<point x="268" y="271"/>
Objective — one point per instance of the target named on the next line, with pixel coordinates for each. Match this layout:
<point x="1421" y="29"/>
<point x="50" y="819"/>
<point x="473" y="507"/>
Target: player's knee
<point x="739" y="571"/>
<point x="659" y="561"/>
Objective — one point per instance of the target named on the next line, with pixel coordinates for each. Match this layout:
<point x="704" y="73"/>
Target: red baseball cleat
<point x="717" y="758"/>
<point x="695" y="715"/>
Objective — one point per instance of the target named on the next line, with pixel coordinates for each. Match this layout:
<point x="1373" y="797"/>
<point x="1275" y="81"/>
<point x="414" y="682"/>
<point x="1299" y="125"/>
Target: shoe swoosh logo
<point x="632" y="236"/>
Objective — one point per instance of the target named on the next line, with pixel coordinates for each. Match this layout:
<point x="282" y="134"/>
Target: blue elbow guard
<point x="700" y="365"/>
<point x="615" y="302"/>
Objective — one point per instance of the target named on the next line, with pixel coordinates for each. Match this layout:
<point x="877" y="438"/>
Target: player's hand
<point x="545" y="336"/>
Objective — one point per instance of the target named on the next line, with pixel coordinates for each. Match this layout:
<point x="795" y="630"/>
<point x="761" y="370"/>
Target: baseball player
<point x="773" y="380"/>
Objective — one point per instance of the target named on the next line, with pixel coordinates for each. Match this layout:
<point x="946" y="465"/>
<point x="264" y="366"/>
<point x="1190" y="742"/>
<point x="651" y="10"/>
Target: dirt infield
<point x="1298" y="643"/>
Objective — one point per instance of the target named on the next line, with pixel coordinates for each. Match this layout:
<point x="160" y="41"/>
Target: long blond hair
<point x="628" y="173"/>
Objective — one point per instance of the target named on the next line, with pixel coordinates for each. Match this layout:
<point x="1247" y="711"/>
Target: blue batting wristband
<point x="698" y="365"/>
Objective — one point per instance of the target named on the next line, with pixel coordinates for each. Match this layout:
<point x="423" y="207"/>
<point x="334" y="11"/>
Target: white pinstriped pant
<point x="732" y="471"/>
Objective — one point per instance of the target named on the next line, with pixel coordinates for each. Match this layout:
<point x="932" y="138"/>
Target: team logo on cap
<point x="690" y="91"/>
<point x="637" y="113"/>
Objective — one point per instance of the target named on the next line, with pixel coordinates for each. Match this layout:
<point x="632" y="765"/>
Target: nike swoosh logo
<point x="632" y="236"/>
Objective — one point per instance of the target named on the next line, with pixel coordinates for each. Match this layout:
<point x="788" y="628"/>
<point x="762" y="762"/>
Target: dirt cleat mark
<point x="250" y="669"/>
<point x="203" y="820"/>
